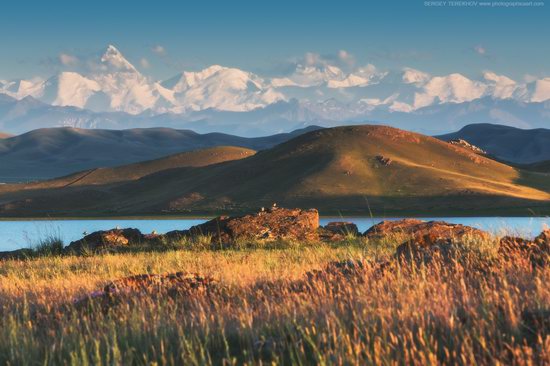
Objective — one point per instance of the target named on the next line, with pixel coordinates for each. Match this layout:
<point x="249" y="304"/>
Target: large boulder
<point x="390" y="229"/>
<point x="429" y="238"/>
<point x="105" y="241"/>
<point x="338" y="231"/>
<point x="272" y="224"/>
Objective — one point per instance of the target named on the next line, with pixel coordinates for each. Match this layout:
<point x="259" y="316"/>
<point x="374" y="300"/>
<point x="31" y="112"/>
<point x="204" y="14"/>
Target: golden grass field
<point x="473" y="309"/>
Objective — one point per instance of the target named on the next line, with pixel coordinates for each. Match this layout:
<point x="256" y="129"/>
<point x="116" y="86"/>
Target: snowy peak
<point x="221" y="88"/>
<point x="113" y="60"/>
<point x="107" y="82"/>
<point x="331" y="76"/>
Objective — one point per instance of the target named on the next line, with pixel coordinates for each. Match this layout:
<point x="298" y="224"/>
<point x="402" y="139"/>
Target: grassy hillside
<point x="339" y="169"/>
<point x="100" y="176"/>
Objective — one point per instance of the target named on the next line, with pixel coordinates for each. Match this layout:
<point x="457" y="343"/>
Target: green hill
<point x="345" y="169"/>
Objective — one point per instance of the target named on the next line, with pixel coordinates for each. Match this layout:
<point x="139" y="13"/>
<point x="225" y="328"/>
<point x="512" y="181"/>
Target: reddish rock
<point x="149" y="283"/>
<point x="133" y="288"/>
<point x="543" y="238"/>
<point x="105" y="240"/>
<point x="387" y="229"/>
<point x="437" y="236"/>
<point x="271" y="224"/>
<point x="537" y="250"/>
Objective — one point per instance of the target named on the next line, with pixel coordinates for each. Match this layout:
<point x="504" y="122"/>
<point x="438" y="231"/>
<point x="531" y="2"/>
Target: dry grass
<point x="470" y="310"/>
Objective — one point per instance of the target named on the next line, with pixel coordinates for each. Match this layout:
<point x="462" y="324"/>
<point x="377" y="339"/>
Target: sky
<point x="166" y="37"/>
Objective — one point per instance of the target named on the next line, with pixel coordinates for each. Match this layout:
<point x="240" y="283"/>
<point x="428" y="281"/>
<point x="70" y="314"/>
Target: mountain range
<point x="353" y="169"/>
<point x="107" y="91"/>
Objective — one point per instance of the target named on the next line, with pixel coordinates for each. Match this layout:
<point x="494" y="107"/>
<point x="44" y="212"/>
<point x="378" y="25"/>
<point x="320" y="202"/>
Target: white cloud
<point x="68" y="60"/>
<point x="336" y="71"/>
<point x="159" y="50"/>
<point x="412" y="76"/>
<point x="542" y="90"/>
<point x="346" y="58"/>
<point x="480" y="50"/>
<point x="144" y="63"/>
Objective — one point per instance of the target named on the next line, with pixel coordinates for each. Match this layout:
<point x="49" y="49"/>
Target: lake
<point x="25" y="233"/>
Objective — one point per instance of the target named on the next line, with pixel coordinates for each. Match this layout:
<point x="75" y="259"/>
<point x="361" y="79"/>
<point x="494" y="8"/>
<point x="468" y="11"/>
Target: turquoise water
<point x="22" y="234"/>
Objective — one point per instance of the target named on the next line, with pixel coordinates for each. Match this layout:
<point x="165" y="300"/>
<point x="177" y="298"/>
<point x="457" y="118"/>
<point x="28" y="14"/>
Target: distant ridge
<point x="124" y="173"/>
<point x="53" y="152"/>
<point x="507" y="143"/>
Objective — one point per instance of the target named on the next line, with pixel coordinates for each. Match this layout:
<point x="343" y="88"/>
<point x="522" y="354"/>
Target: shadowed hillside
<point x="99" y="176"/>
<point x="53" y="152"/>
<point x="507" y="143"/>
<point x="346" y="169"/>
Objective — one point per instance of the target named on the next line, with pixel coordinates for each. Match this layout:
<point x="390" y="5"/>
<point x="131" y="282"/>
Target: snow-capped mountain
<point x="106" y="90"/>
<point x="306" y="76"/>
<point x="222" y="88"/>
<point x="110" y="82"/>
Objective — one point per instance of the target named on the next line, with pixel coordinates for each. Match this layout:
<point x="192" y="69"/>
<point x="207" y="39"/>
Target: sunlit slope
<point x="339" y="169"/>
<point x="336" y="164"/>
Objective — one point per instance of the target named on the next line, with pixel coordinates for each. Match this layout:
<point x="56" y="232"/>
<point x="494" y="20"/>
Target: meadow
<point x="280" y="304"/>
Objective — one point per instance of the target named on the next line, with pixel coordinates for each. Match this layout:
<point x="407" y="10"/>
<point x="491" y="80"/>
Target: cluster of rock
<point x="417" y="238"/>
<point x="467" y="145"/>
<point x="422" y="241"/>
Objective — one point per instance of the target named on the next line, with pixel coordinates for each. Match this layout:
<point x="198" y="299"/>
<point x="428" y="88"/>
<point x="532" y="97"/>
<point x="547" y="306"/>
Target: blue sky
<point x="263" y="36"/>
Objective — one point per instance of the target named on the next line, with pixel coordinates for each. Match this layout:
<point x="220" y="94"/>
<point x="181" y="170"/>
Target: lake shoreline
<point x="389" y="214"/>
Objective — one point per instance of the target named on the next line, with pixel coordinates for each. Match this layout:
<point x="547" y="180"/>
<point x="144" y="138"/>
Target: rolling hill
<point x="353" y="169"/>
<point x="507" y="143"/>
<point x="53" y="152"/>
<point x="125" y="173"/>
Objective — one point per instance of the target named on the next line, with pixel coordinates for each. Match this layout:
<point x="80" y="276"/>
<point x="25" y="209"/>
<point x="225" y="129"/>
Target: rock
<point x="342" y="227"/>
<point x="337" y="231"/>
<point x="429" y="238"/>
<point x="271" y="224"/>
<point x="132" y="288"/>
<point x="385" y="161"/>
<point x="537" y="250"/>
<point x="389" y="229"/>
<point x="467" y="145"/>
<point x="543" y="238"/>
<point x="176" y="235"/>
<point x="105" y="240"/>
<point x="179" y="281"/>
